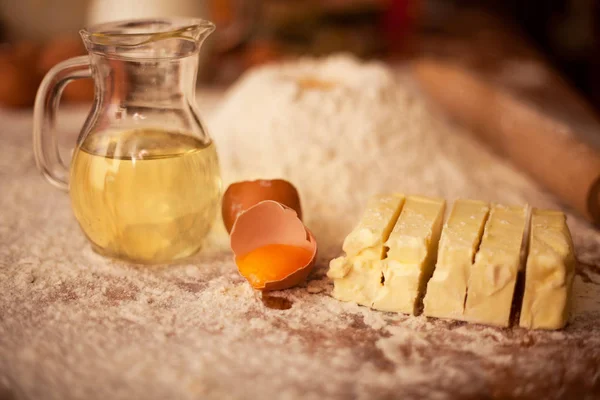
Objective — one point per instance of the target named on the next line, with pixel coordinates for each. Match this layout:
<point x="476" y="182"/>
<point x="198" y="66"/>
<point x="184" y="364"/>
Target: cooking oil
<point x="145" y="195"/>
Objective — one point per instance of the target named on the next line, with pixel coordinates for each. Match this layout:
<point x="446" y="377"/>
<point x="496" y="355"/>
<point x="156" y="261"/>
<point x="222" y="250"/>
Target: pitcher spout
<point x="201" y="30"/>
<point x="148" y="38"/>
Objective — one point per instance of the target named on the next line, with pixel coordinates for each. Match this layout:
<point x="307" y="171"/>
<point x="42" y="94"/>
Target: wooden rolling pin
<point x="548" y="149"/>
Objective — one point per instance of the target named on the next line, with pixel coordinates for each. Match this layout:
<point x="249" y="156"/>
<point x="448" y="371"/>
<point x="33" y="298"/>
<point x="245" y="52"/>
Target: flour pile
<point x="342" y="130"/>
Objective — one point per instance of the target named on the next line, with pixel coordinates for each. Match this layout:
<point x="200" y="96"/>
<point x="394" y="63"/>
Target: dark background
<point x="567" y="32"/>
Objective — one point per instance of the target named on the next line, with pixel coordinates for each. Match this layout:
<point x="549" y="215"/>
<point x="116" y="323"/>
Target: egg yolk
<point x="272" y="263"/>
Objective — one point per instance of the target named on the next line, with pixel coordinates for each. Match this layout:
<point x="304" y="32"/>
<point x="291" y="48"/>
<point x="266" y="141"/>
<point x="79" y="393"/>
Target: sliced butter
<point x="411" y="256"/>
<point x="549" y="272"/>
<point x="494" y="273"/>
<point x="374" y="228"/>
<point x="358" y="281"/>
<point x="357" y="275"/>
<point x="460" y="239"/>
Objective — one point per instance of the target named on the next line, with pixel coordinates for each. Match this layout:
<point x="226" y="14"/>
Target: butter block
<point x="374" y="227"/>
<point x="493" y="275"/>
<point x="357" y="275"/>
<point x="411" y="256"/>
<point x="355" y="280"/>
<point x="549" y="272"/>
<point x="461" y="235"/>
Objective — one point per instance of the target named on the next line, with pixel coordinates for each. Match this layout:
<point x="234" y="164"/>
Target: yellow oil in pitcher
<point x="147" y="196"/>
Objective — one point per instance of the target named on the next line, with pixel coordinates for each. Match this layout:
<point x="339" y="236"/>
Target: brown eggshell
<point x="270" y="222"/>
<point x="241" y="196"/>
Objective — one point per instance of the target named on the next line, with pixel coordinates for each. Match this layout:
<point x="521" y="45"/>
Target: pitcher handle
<point x="45" y="144"/>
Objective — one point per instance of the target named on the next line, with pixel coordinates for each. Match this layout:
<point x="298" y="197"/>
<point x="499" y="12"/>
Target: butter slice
<point x="494" y="274"/>
<point x="357" y="275"/>
<point x="355" y="280"/>
<point x="447" y="289"/>
<point x="549" y="272"/>
<point x="411" y="256"/>
<point x="374" y="228"/>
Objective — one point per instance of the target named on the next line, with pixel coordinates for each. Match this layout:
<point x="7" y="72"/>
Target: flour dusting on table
<point x="74" y="325"/>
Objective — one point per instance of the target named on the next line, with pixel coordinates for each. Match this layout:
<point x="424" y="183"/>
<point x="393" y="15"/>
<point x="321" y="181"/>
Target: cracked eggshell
<point x="270" y="222"/>
<point x="240" y="196"/>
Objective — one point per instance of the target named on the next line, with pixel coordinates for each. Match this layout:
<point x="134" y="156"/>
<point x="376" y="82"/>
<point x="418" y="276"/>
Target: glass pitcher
<point x="144" y="179"/>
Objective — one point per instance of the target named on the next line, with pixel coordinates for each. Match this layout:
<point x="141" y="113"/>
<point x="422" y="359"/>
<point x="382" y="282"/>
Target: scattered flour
<point x="74" y="325"/>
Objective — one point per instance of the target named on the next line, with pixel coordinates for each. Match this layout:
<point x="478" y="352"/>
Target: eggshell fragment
<point x="240" y="196"/>
<point x="270" y="222"/>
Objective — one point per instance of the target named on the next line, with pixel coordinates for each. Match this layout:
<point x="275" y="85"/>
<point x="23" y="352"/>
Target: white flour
<point x="366" y="134"/>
